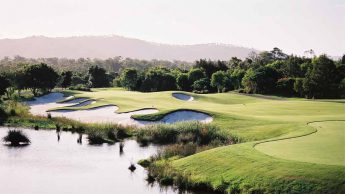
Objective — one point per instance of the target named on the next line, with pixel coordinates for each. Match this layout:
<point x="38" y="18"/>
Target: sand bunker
<point x="84" y="103"/>
<point x="184" y="97"/>
<point x="187" y="115"/>
<point x="105" y="114"/>
<point x="72" y="100"/>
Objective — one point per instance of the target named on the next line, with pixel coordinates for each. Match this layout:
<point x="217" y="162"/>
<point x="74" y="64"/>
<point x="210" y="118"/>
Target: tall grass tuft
<point x="16" y="138"/>
<point x="184" y="132"/>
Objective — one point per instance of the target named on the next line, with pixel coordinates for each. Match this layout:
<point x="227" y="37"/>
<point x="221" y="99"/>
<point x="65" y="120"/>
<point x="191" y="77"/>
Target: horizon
<point x="294" y="26"/>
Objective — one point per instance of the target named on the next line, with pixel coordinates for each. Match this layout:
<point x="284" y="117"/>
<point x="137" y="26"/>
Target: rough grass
<point x="183" y="132"/>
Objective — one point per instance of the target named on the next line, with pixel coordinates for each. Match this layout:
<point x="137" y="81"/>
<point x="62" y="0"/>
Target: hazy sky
<point x="292" y="25"/>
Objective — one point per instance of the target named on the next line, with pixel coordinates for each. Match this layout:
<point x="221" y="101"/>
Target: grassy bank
<point x="242" y="169"/>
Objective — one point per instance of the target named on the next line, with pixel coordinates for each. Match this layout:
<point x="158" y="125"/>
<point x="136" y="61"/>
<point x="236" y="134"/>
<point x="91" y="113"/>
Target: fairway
<point x="325" y="146"/>
<point x="311" y="156"/>
<point x="246" y="117"/>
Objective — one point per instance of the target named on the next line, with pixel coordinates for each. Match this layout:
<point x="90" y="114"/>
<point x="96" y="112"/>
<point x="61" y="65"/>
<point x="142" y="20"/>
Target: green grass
<point x="249" y="118"/>
<point x="247" y="169"/>
<point x="315" y="167"/>
<point x="326" y="146"/>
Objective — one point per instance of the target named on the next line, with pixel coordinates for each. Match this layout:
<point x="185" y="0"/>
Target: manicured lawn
<point x="326" y="146"/>
<point x="312" y="163"/>
<point x="249" y="118"/>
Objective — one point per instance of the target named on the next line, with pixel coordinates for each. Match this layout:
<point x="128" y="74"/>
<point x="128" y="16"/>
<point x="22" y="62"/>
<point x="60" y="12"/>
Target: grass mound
<point x="326" y="146"/>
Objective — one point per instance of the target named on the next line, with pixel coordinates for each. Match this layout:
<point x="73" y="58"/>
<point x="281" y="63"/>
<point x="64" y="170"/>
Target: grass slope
<point x="254" y="120"/>
<point x="249" y="170"/>
<point x="326" y="146"/>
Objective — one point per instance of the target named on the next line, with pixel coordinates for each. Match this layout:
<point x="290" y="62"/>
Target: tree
<point x="277" y="54"/>
<point x="201" y="85"/>
<point x="129" y="78"/>
<point x="285" y="86"/>
<point x="209" y="67"/>
<point x="4" y="84"/>
<point x="261" y="80"/>
<point x="98" y="77"/>
<point x="219" y="80"/>
<point x="236" y="78"/>
<point x="183" y="82"/>
<point x="158" y="79"/>
<point x="320" y="79"/>
<point x="342" y="88"/>
<point x="195" y="74"/>
<point x="298" y="86"/>
<point x="66" y="79"/>
<point x="79" y="79"/>
<point x="235" y="63"/>
<point x="343" y="59"/>
<point x="39" y="77"/>
<point x="279" y="66"/>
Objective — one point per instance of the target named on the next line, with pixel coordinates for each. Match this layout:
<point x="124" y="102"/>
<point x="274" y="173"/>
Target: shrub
<point x="183" y="132"/>
<point x="80" y="87"/>
<point x="285" y="86"/>
<point x="96" y="138"/>
<point x="16" y="138"/>
<point x="166" y="181"/>
<point x="144" y="163"/>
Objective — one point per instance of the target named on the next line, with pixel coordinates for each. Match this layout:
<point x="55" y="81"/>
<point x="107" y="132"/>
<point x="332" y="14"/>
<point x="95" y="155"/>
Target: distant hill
<point x="110" y="46"/>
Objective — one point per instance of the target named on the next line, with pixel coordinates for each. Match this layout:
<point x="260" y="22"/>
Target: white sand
<point x="73" y="101"/>
<point x="187" y="115"/>
<point x="184" y="97"/>
<point x="84" y="103"/>
<point x="106" y="114"/>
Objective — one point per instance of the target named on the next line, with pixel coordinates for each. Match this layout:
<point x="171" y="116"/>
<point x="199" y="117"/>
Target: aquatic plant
<point x="183" y="132"/>
<point x="16" y="138"/>
<point x="132" y="167"/>
<point x="97" y="137"/>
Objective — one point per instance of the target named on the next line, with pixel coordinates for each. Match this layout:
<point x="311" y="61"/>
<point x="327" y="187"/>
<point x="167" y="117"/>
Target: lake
<point x="65" y="166"/>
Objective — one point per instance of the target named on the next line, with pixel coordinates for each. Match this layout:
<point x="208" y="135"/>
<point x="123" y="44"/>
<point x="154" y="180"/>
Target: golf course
<point x="284" y="144"/>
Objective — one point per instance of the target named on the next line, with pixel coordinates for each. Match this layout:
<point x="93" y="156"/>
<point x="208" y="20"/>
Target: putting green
<point x="325" y="146"/>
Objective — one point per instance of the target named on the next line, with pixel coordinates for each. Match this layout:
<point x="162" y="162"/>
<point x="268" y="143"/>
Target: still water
<point x="65" y="166"/>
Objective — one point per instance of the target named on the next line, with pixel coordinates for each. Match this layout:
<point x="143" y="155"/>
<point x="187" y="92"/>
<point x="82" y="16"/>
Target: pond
<point x="65" y="166"/>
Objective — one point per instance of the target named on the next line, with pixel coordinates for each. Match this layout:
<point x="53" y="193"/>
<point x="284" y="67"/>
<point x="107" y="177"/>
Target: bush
<point x="166" y="181"/>
<point x="144" y="163"/>
<point x="16" y="138"/>
<point x="285" y="86"/>
<point x="80" y="87"/>
<point x="199" y="133"/>
<point x="96" y="138"/>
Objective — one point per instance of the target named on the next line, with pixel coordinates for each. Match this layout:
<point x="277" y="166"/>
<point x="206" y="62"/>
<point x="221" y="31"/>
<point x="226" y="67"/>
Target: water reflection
<point x="121" y="148"/>
<point x="80" y="138"/>
<point x="76" y="167"/>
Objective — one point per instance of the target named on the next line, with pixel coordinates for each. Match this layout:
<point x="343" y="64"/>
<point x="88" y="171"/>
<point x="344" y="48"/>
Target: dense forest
<point x="269" y="72"/>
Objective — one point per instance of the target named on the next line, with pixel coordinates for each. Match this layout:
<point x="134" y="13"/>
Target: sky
<point x="292" y="25"/>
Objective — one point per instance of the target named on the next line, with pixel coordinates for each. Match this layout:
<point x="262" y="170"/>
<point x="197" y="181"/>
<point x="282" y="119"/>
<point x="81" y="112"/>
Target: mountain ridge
<point x="113" y="45"/>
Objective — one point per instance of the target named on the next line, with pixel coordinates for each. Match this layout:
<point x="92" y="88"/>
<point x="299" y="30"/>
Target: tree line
<point x="269" y="72"/>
